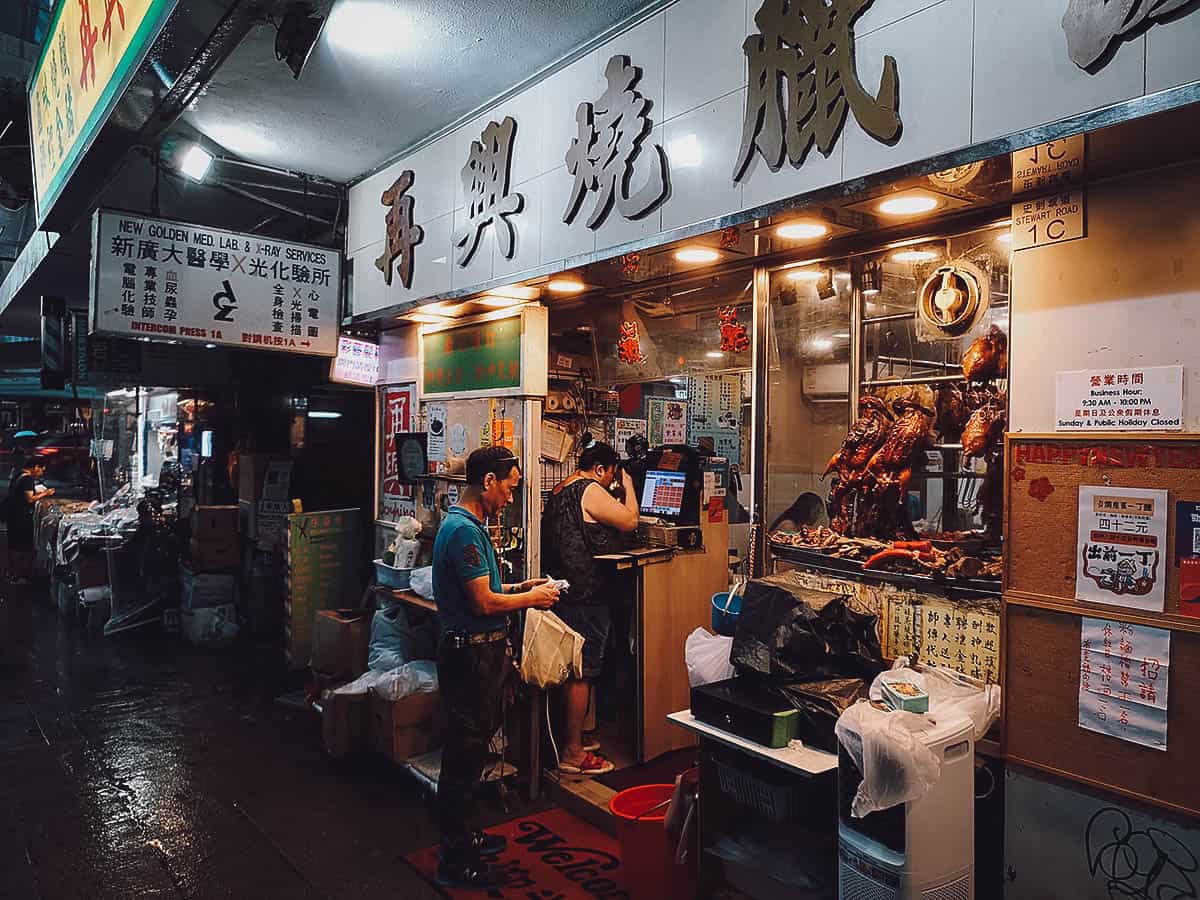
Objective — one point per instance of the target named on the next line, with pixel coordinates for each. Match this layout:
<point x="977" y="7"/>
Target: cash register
<point x="669" y="481"/>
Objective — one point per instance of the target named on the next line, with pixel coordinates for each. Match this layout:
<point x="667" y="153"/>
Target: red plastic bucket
<point x="647" y="854"/>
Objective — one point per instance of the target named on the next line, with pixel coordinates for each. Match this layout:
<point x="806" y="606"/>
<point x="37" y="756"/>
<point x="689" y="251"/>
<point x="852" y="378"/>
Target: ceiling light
<point x="915" y="256"/>
<point x="296" y="36"/>
<point x="195" y="162"/>
<point x="802" y="231"/>
<point x="697" y="255"/>
<point x="323" y="414"/>
<point x="684" y="152"/>
<point x="715" y="354"/>
<point x="498" y="302"/>
<point x="908" y="205"/>
<point x="444" y="309"/>
<point x="516" y="292"/>
<point x="423" y="318"/>
<point x="1004" y="237"/>
<point x="566" y="286"/>
<point x="812" y="276"/>
<point x="842" y="335"/>
<point x="822" y="344"/>
<point x="210" y="346"/>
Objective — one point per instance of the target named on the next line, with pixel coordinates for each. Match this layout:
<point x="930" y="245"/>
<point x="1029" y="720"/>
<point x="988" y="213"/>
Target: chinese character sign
<point x="172" y="281"/>
<point x="357" y="362"/>
<point x="602" y="156"/>
<point x="1123" y="674"/>
<point x="1145" y="399"/>
<point x="803" y="81"/>
<point x="91" y="45"/>
<point x="485" y="180"/>
<point x="397" y="407"/>
<point x="1121" y="549"/>
<point x="402" y="234"/>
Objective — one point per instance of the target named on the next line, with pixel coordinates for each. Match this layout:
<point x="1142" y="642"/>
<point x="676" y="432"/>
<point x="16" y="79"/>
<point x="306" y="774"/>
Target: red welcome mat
<point x="550" y="854"/>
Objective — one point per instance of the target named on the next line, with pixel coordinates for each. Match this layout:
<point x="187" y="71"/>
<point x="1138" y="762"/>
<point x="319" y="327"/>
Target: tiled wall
<point x="970" y="70"/>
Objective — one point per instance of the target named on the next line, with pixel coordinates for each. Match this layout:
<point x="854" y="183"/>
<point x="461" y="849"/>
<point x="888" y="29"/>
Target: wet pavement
<point x="138" y="766"/>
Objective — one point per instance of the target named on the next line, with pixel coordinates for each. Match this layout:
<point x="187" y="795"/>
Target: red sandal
<point x="591" y="764"/>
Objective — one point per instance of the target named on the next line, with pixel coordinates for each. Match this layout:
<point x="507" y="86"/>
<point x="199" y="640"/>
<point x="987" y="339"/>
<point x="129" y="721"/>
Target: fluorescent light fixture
<point x="802" y="231"/>
<point x="812" y="276"/>
<point x="195" y="163"/>
<point x="323" y="414"/>
<point x="515" y="292"/>
<point x="915" y="256"/>
<point x="697" y="255"/>
<point x="842" y="335"/>
<point x="566" y="286"/>
<point x="684" y="152"/>
<point x="912" y="204"/>
<point x="715" y="354"/>
<point x="678" y="379"/>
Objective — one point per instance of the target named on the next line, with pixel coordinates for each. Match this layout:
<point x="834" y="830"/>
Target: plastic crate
<point x="389" y="576"/>
<point x="778" y="802"/>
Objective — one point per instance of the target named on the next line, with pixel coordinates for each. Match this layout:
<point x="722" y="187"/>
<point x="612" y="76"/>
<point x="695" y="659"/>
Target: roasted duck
<point x="952" y="412"/>
<point x="849" y="464"/>
<point x="987" y="357"/>
<point x="910" y="433"/>
<point x="983" y="430"/>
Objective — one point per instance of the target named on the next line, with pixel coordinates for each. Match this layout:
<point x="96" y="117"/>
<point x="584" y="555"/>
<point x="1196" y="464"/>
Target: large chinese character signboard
<point x="1120" y="555"/>
<point x="90" y="54"/>
<point x="397" y="407"/>
<point x="158" y="279"/>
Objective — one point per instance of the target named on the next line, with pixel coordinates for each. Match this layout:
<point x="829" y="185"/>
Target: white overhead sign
<point x="357" y="362"/>
<point x="159" y="279"/>
<point x="1145" y="399"/>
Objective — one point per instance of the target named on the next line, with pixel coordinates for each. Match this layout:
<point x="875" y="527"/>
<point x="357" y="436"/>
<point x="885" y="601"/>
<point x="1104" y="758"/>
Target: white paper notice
<point x="1123" y="675"/>
<point x="436" y="445"/>
<point x="1147" y="399"/>
<point x="624" y="430"/>
<point x="1121" y="550"/>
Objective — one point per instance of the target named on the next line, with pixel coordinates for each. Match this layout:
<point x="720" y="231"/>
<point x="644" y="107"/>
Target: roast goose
<point x="987" y="357"/>
<point x="983" y="430"/>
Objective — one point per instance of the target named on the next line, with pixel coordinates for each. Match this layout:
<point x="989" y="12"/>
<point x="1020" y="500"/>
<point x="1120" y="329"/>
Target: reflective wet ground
<point x="138" y="766"/>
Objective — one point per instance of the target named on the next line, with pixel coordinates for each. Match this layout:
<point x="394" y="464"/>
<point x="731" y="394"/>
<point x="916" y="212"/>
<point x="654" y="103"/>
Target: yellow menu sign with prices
<point x="91" y="52"/>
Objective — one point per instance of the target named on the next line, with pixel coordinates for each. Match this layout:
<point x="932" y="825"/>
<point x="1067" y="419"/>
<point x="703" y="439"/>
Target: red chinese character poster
<point x="397" y="405"/>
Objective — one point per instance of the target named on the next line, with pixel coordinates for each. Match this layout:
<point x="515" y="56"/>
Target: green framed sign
<point x="484" y="356"/>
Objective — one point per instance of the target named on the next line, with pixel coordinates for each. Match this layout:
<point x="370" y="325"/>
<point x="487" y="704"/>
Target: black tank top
<point x="569" y="543"/>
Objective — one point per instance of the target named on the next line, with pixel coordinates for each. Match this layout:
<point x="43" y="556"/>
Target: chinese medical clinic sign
<point x="91" y="51"/>
<point x="165" y="280"/>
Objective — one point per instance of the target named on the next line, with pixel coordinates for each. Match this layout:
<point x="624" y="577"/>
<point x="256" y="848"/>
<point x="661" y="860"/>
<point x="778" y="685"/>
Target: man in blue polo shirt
<point x="474" y="657"/>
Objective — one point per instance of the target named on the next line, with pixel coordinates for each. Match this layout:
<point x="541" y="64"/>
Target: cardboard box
<point x="404" y="728"/>
<point x="213" y="625"/>
<point x="198" y="590"/>
<point x="214" y="521"/>
<point x="346" y="723"/>
<point x="215" y="555"/>
<point x="339" y="643"/>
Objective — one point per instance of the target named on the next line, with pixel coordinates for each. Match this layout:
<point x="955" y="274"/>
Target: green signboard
<point x="323" y="555"/>
<point x="482" y="357"/>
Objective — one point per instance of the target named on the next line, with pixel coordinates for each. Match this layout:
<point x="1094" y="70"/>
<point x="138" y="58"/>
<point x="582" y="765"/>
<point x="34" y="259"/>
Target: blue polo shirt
<point x="462" y="553"/>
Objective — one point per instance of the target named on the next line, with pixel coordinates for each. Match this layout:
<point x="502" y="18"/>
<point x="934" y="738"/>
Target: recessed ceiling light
<point x="195" y="162"/>
<point x="697" y="255"/>
<point x="812" y="276"/>
<point x="516" y="292"/>
<point x="566" y="286"/>
<point x="498" y="302"/>
<point x="915" y="256"/>
<point x="908" y="205"/>
<point x="802" y="231"/>
<point x="1004" y="237"/>
<point x="715" y="354"/>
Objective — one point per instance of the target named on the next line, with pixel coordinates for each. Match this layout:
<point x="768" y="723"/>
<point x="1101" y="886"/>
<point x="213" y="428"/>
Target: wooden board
<point x="676" y="599"/>
<point x="1045" y="473"/>
<point x="1041" y="708"/>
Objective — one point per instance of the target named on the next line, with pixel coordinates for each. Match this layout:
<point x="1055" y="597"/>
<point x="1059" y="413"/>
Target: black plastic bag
<point x="789" y="633"/>
<point x="820" y="704"/>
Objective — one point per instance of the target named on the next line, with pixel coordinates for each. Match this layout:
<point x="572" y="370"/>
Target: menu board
<point x="667" y="421"/>
<point x="481" y="357"/>
<point x="323" y="553"/>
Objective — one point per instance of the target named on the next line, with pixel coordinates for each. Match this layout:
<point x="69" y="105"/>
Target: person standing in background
<point x="24" y="492"/>
<point x="474" y="658"/>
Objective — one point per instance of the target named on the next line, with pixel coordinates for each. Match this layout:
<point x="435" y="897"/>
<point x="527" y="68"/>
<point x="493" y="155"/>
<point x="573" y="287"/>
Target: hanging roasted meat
<point x="984" y="430"/>
<point x="987" y="357"/>
<point x="850" y="462"/>
<point x="909" y="435"/>
<point x="952" y="412"/>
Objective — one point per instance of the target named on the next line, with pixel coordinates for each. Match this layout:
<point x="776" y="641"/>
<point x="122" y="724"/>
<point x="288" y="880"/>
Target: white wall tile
<point x="764" y="186"/>
<point x="365" y="222"/>
<point x="560" y="240"/>
<point x="432" y="260"/>
<point x="436" y="179"/>
<point x="529" y="112"/>
<point x="1025" y="77"/>
<point x="561" y="95"/>
<point x="370" y="292"/>
<point x="1173" y="53"/>
<point x="479" y="269"/>
<point x="528" y="223"/>
<point x="704" y="58"/>
<point x="644" y="44"/>
<point x="884" y="12"/>
<point x="702" y="187"/>
<point x="933" y="57"/>
<point x="616" y="228"/>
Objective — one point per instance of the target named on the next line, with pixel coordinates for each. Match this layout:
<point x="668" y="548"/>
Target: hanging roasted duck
<point x="984" y="431"/>
<point x="987" y="357"/>
<point x="892" y="464"/>
<point x="952" y="412"/>
<point x="849" y="464"/>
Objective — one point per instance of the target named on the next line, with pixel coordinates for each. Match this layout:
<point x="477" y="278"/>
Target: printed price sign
<point x="157" y="279"/>
<point x="1049" y="220"/>
<point x="1121" y="549"/>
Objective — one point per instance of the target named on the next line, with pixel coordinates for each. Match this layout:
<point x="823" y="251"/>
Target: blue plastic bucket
<point x="724" y="620"/>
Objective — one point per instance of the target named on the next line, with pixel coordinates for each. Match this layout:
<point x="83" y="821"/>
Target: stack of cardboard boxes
<point x="207" y="580"/>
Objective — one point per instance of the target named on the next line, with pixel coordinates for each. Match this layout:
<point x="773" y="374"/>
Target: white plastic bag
<point x="421" y="582"/>
<point x="951" y="694"/>
<point x="418" y="677"/>
<point x="896" y="765"/>
<point x="707" y="657"/>
<point x="551" y="652"/>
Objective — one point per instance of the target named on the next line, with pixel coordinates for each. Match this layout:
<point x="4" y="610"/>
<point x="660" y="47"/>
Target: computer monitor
<point x="662" y="494"/>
